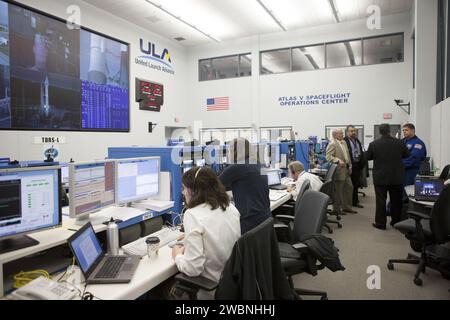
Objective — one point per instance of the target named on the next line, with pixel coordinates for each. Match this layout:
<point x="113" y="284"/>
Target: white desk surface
<point x="410" y="193"/>
<point x="149" y="274"/>
<point x="277" y="203"/>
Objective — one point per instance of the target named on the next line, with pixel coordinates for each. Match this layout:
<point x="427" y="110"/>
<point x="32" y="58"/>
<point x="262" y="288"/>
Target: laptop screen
<point x="273" y="177"/>
<point x="428" y="188"/>
<point x="86" y="248"/>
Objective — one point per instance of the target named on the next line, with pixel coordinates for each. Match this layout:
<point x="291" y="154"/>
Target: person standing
<point x="387" y="154"/>
<point x="249" y="186"/>
<point x="418" y="153"/>
<point x="337" y="152"/>
<point x="357" y="157"/>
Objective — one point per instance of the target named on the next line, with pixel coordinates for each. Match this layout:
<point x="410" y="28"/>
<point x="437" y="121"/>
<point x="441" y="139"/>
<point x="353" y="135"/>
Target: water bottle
<point x="112" y="236"/>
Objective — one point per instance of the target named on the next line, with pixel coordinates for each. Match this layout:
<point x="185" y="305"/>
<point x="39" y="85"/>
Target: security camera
<point x="398" y="101"/>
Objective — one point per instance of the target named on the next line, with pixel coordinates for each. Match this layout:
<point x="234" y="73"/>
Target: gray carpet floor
<point x="362" y="246"/>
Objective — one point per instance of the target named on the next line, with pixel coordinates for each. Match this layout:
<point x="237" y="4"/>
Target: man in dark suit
<point x="388" y="175"/>
<point x="357" y="156"/>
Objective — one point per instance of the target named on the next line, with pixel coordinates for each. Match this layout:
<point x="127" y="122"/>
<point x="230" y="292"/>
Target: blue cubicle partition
<point x="167" y="165"/>
<point x="296" y="151"/>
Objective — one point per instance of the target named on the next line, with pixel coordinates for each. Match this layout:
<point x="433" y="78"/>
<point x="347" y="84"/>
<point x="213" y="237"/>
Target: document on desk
<point x="122" y="213"/>
<point x="277" y="195"/>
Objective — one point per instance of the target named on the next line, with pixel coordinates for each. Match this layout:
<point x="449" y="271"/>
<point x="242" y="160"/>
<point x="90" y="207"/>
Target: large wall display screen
<point x="53" y="77"/>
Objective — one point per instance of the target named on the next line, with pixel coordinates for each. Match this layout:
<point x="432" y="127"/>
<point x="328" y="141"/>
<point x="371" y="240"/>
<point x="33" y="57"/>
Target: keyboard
<point x="110" y="268"/>
<point x="139" y="247"/>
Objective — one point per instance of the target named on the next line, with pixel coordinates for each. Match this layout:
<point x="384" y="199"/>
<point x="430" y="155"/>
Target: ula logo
<point x="152" y="53"/>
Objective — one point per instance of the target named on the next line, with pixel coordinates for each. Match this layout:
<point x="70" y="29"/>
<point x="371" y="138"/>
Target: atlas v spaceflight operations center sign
<point x="154" y="58"/>
<point x="315" y="99"/>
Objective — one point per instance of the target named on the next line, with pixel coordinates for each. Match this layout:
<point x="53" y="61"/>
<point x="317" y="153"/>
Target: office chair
<point x="330" y="173"/>
<point x="425" y="167"/>
<point x="429" y="232"/>
<point x="329" y="189"/>
<point x="445" y="174"/>
<point x="290" y="209"/>
<point x="309" y="219"/>
<point x="249" y="247"/>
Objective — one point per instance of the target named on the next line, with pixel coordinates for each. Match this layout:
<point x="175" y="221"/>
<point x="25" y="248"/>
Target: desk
<point x="410" y="193"/>
<point x="286" y="196"/>
<point x="56" y="237"/>
<point x="149" y="274"/>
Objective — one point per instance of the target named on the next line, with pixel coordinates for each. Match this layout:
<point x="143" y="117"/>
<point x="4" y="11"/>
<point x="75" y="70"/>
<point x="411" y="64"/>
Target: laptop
<point x="95" y="265"/>
<point x="274" y="180"/>
<point x="428" y="188"/>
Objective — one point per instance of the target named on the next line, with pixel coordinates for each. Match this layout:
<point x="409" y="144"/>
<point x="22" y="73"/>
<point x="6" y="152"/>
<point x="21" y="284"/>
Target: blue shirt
<point x="418" y="152"/>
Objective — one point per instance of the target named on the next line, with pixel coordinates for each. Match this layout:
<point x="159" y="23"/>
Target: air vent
<point x="179" y="38"/>
<point x="153" y="19"/>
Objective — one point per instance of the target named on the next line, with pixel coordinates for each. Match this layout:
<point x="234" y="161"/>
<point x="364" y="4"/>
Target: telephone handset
<point x="45" y="289"/>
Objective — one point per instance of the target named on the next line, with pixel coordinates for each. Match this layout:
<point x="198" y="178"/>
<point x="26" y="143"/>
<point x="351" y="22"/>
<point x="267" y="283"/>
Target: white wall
<point x="90" y="145"/>
<point x="426" y="51"/>
<point x="440" y="132"/>
<point x="253" y="100"/>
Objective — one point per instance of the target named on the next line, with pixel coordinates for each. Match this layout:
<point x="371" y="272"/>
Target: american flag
<point x="217" y="104"/>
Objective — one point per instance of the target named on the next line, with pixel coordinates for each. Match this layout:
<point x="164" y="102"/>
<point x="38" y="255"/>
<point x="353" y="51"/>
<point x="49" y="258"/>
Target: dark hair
<point x="385" y="129"/>
<point x="206" y="188"/>
<point x="349" y="126"/>
<point x="409" y="126"/>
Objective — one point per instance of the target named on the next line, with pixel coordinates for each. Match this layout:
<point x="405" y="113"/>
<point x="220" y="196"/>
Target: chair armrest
<point x="196" y="282"/>
<point x="418" y="215"/>
<point x="280" y="226"/>
<point x="284" y="216"/>
<point x="301" y="247"/>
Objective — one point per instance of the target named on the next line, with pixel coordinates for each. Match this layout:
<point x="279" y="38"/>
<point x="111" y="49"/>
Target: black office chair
<point x="329" y="189"/>
<point x="330" y="173"/>
<point x="309" y="219"/>
<point x="248" y="249"/>
<point x="445" y="174"/>
<point x="290" y="208"/>
<point x="430" y="232"/>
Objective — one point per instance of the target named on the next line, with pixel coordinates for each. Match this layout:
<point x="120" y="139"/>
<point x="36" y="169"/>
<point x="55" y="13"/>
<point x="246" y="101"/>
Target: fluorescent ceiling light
<point x="160" y="7"/>
<point x="272" y="15"/>
<point x="334" y="11"/>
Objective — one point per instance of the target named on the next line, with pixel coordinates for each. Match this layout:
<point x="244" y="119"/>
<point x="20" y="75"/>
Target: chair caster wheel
<point x="390" y="266"/>
<point x="330" y="231"/>
<point x="418" y="281"/>
<point x="338" y="218"/>
<point x="340" y="226"/>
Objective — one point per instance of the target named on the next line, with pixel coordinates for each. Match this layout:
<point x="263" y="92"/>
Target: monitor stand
<point x="17" y="243"/>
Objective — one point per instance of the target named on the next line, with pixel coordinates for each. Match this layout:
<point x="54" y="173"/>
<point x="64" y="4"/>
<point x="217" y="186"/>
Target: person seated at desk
<point x="250" y="187"/>
<point x="211" y="226"/>
<point x="299" y="175"/>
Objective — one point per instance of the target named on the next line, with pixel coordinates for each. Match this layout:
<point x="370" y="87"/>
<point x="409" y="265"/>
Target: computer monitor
<point x="187" y="165"/>
<point x="92" y="187"/>
<point x="64" y="175"/>
<point x="137" y="179"/>
<point x="273" y="177"/>
<point x="30" y="201"/>
<point x="427" y="188"/>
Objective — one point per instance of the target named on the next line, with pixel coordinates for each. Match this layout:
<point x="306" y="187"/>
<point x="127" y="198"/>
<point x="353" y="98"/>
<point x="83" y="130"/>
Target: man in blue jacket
<point x="418" y="153"/>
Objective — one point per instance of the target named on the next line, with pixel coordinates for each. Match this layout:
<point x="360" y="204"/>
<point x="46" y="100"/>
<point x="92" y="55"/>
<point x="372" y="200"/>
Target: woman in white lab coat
<point x="211" y="224"/>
